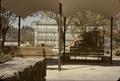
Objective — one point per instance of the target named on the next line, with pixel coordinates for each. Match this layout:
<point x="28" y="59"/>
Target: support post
<point x="0" y="30"/>
<point x="35" y="37"/>
<point x="19" y="26"/>
<point x="111" y="39"/>
<point x="64" y="38"/>
<point x="59" y="29"/>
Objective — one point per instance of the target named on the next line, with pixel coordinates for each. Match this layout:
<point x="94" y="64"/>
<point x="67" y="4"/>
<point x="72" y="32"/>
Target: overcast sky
<point x="27" y="21"/>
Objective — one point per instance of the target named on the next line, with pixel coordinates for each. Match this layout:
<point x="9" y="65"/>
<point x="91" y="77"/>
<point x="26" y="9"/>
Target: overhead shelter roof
<point x="107" y="8"/>
<point x="26" y="7"/>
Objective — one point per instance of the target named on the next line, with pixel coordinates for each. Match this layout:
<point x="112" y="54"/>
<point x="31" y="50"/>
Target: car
<point x="55" y="50"/>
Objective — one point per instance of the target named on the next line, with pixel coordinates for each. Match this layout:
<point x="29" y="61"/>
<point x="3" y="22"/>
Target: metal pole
<point x="98" y="48"/>
<point x="0" y="30"/>
<point x="111" y="39"/>
<point x="59" y="27"/>
<point x="19" y="25"/>
<point x="64" y="37"/>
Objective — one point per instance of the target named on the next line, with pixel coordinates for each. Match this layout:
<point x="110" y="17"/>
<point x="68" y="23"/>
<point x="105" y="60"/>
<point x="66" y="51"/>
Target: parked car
<point x="55" y="50"/>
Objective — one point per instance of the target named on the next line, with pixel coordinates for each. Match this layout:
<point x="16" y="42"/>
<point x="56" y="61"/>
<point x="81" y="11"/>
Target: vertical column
<point x="35" y="36"/>
<point x="111" y="39"/>
<point x="19" y="25"/>
<point x="64" y="36"/>
<point x="59" y="27"/>
<point x="0" y="30"/>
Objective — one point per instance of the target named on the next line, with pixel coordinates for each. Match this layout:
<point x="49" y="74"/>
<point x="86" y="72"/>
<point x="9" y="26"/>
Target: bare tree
<point x="82" y="22"/>
<point x="88" y="19"/>
<point x="55" y="16"/>
<point x="7" y="18"/>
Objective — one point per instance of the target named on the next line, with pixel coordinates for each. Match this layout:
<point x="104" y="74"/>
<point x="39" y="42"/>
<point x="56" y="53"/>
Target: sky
<point x="27" y="21"/>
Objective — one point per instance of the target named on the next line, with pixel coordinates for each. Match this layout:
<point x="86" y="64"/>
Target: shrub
<point x="91" y="38"/>
<point x="5" y="57"/>
<point x="7" y="53"/>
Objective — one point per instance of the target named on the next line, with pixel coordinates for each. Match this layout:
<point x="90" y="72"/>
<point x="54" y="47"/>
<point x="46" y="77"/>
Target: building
<point x="47" y="32"/>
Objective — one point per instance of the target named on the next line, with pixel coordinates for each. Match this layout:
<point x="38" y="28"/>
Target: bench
<point x="84" y="52"/>
<point x="34" y="52"/>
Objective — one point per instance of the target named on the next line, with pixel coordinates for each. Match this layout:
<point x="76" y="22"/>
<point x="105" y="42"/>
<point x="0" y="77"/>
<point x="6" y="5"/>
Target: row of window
<point x="54" y="34"/>
<point x="51" y="42"/>
<point x="51" y="38"/>
<point x="48" y="34"/>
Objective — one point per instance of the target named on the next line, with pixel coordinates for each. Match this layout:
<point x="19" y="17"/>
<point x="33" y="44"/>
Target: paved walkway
<point x="84" y="72"/>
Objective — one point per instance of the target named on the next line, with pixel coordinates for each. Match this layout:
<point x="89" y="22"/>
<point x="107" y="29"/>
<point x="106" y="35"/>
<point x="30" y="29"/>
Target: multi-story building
<point x="47" y="33"/>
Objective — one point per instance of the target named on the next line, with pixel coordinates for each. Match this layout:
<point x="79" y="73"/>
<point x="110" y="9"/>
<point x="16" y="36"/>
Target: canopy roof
<point x="106" y="8"/>
<point x="26" y="7"/>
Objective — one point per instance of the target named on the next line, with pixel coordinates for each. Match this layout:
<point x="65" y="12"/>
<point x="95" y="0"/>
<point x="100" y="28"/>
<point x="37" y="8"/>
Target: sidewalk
<point x="83" y="72"/>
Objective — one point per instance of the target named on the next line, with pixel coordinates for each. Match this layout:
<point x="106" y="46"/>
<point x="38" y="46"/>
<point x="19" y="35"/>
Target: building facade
<point x="48" y="34"/>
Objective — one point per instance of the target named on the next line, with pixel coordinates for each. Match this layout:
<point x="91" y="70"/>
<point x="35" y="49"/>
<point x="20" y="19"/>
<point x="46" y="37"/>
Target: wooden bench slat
<point x="33" y="51"/>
